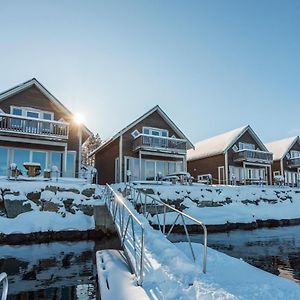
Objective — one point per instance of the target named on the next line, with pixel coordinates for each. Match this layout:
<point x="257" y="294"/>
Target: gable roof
<point x="34" y="82"/>
<point x="281" y="147"/>
<point x="144" y="116"/>
<point x="219" y="144"/>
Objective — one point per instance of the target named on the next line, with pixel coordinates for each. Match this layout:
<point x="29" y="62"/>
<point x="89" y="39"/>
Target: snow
<point x="281" y="147"/>
<point x="115" y="279"/>
<point x="37" y="221"/>
<point x="43" y="221"/>
<point x="215" y="145"/>
<point x="170" y="273"/>
<point x="262" y="207"/>
<point x="240" y="279"/>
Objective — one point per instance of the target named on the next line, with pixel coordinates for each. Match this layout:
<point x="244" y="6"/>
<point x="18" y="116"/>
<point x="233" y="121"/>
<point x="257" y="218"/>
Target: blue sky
<point x="211" y="65"/>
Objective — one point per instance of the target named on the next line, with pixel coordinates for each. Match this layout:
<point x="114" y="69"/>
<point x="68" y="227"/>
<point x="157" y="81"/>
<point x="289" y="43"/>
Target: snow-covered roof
<point x="132" y="124"/>
<point x="279" y="148"/>
<point x="220" y="143"/>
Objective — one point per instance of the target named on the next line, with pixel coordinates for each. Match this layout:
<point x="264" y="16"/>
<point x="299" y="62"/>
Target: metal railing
<point x="159" y="142"/>
<point x="32" y="126"/>
<point x="253" y="156"/>
<point x="154" y="206"/>
<point x="294" y="162"/>
<point x="3" y="278"/>
<point x="130" y="230"/>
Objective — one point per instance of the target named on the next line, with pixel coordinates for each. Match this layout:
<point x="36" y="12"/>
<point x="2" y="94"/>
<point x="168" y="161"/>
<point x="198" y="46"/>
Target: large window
<point x="3" y="161"/>
<point x="246" y="146"/>
<point x="56" y="160"/>
<point x="295" y="154"/>
<point x="41" y="158"/>
<point x="19" y="157"/>
<point x="71" y="156"/>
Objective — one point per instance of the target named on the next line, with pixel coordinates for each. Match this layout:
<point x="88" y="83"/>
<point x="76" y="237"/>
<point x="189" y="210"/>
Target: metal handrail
<point x="3" y="278"/>
<point x="124" y="220"/>
<point x="137" y="197"/>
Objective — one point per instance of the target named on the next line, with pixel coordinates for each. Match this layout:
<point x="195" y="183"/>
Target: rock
<point x="50" y="206"/>
<point x="29" y="276"/>
<point x="9" y="192"/>
<point x="71" y="190"/>
<point x="16" y="207"/>
<point x="69" y="205"/>
<point x="34" y="196"/>
<point x="86" y="209"/>
<point x="51" y="188"/>
<point x="89" y="192"/>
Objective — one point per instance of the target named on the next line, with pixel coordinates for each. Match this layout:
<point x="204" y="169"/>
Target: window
<point x="295" y="154"/>
<point x="246" y="146"/>
<point x="3" y="161"/>
<point x="41" y="158"/>
<point x="135" y="133"/>
<point x="16" y="112"/>
<point x="71" y="156"/>
<point x="19" y="157"/>
<point x="56" y="160"/>
<point x="155" y="132"/>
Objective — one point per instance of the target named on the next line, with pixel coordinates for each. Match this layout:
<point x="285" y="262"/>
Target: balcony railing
<point x="294" y="162"/>
<point x="33" y="127"/>
<point x="163" y="144"/>
<point x="253" y="156"/>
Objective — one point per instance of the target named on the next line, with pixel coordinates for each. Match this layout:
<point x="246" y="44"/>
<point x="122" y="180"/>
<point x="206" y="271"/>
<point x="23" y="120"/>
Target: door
<point x="221" y="175"/>
<point x="150" y="170"/>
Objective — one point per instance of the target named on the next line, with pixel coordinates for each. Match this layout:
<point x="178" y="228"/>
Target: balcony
<point x="32" y="127"/>
<point x="255" y="156"/>
<point x="159" y="144"/>
<point x="294" y="162"/>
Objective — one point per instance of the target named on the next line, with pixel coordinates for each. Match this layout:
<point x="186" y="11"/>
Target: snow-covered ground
<point x="218" y="204"/>
<point x="170" y="273"/>
<point x="53" y="205"/>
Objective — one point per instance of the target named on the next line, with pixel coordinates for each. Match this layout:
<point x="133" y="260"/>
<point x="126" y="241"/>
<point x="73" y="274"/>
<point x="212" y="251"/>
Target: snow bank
<point x="37" y="221"/>
<point x="241" y="279"/>
<point x="228" y="204"/>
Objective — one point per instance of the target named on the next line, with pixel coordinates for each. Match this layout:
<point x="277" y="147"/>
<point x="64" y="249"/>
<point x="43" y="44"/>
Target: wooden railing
<point x="146" y="141"/>
<point x="31" y="126"/>
<point x="294" y="162"/>
<point x="253" y="156"/>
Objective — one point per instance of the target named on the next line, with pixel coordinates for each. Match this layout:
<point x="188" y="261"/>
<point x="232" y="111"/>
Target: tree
<point x="90" y="145"/>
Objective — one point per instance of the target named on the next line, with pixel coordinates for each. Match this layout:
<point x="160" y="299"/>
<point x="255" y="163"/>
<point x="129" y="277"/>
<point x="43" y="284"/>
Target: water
<point x="275" y="250"/>
<point x="58" y="270"/>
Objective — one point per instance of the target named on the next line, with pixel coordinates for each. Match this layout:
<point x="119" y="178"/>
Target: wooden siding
<point x="296" y="146"/>
<point x="245" y="138"/>
<point x="34" y="98"/>
<point x="208" y="165"/>
<point x="105" y="158"/>
<point x="105" y="162"/>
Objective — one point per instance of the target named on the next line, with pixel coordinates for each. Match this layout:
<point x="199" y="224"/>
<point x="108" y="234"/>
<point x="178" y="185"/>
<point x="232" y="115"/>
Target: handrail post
<point x="3" y="278"/>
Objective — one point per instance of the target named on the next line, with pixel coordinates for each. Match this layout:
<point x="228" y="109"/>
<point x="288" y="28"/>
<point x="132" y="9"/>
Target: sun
<point x="79" y="118"/>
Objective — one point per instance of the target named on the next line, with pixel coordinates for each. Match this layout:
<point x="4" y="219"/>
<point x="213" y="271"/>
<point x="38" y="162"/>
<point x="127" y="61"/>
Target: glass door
<point x="32" y="126"/>
<point x="150" y="170"/>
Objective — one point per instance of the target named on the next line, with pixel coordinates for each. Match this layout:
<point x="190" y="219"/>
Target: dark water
<point x="275" y="250"/>
<point x="59" y="270"/>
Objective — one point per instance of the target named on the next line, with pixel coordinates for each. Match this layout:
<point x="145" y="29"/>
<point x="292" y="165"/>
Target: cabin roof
<point x="144" y="116"/>
<point x="280" y="148"/>
<point x="34" y="82"/>
<point x="219" y="144"/>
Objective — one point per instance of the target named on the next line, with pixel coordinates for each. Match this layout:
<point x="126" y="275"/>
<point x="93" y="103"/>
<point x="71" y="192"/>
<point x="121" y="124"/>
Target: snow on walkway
<point x="171" y="274"/>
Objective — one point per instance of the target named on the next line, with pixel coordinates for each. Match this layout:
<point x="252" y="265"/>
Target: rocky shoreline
<point x="53" y="236"/>
<point x="193" y="229"/>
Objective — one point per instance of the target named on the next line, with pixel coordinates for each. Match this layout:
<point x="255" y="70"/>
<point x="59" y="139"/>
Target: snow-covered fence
<point x="130" y="230"/>
<point x="3" y="278"/>
<point x="151" y="205"/>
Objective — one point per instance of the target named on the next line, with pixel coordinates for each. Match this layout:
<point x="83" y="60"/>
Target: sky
<point x="212" y="66"/>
